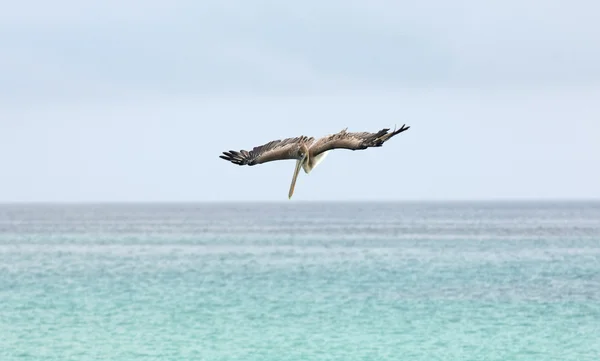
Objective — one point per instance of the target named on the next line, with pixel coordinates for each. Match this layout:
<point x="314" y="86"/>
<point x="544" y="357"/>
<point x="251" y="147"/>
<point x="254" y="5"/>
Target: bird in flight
<point x="307" y="152"/>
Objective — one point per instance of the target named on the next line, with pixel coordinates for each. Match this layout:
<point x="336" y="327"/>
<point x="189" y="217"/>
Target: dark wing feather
<point x="354" y="141"/>
<point x="280" y="149"/>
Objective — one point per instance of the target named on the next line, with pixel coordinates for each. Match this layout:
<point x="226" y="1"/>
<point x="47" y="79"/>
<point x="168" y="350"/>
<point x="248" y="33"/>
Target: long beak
<point x="296" y="171"/>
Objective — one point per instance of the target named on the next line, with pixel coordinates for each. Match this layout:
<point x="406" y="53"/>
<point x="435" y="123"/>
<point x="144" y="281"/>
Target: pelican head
<point x="303" y="158"/>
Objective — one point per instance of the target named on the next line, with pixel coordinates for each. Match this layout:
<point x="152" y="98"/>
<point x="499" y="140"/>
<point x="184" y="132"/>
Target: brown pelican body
<point x="307" y="152"/>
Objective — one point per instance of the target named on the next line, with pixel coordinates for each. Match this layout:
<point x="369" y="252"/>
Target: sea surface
<point x="300" y="281"/>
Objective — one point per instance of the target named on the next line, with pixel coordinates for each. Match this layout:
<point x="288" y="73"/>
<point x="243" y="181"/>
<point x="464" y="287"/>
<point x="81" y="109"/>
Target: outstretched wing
<point x="354" y="141"/>
<point x="280" y="149"/>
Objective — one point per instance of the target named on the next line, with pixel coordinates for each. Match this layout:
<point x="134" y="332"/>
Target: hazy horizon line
<point x="189" y="202"/>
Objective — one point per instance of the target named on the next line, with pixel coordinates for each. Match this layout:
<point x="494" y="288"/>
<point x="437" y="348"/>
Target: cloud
<point x="41" y="14"/>
<point x="126" y="100"/>
<point x="69" y="49"/>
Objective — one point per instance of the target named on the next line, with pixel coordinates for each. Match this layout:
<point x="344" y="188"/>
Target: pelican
<point x="306" y="151"/>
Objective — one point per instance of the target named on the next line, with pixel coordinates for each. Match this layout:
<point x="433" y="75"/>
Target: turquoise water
<point x="297" y="281"/>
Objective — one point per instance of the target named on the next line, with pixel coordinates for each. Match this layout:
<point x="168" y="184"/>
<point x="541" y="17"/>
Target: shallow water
<point x="297" y="281"/>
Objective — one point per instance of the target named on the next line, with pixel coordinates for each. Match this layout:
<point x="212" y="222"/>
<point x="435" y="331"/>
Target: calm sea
<point x="300" y="281"/>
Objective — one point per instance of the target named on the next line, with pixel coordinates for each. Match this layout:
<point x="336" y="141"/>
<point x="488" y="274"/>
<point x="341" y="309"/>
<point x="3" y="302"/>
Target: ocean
<point x="300" y="281"/>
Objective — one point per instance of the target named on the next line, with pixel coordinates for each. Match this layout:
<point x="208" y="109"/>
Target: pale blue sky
<point x="135" y="100"/>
